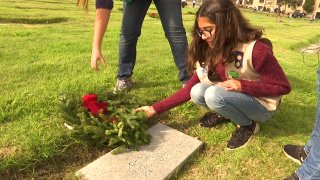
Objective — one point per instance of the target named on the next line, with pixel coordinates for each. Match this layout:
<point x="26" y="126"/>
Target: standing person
<point x="103" y="10"/>
<point x="308" y="156"/>
<point x="235" y="73"/>
<point x="133" y="16"/>
<point x="290" y="16"/>
<point x="193" y="3"/>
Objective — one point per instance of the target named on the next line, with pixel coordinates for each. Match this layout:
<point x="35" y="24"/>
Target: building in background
<point x="273" y="6"/>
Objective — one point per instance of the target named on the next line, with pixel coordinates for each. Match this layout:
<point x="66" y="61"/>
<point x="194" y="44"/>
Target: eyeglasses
<point x="206" y="32"/>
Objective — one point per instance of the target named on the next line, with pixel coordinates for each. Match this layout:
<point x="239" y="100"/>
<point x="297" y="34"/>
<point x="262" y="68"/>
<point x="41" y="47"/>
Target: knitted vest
<point x="202" y="73"/>
<point x="241" y="68"/>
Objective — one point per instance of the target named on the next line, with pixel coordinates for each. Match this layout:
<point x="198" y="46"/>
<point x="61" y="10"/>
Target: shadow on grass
<point x="73" y="158"/>
<point x="53" y="9"/>
<point x="312" y="40"/>
<point x="49" y="2"/>
<point x="40" y="1"/>
<point x="32" y="21"/>
<point x="294" y="117"/>
<point x="302" y="85"/>
<point x="190" y="13"/>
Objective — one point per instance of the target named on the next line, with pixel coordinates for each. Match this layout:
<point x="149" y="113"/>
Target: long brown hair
<point x="231" y="30"/>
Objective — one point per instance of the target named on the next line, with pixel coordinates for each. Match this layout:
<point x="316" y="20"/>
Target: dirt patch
<point x="7" y="151"/>
<point x="53" y="9"/>
<point x="60" y="167"/>
<point x="32" y="20"/>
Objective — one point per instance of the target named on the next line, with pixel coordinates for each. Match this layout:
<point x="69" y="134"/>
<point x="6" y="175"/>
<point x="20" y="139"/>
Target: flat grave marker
<point x="161" y="159"/>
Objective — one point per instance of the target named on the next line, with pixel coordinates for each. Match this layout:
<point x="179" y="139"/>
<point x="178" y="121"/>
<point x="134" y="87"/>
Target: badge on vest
<point x="238" y="59"/>
<point x="233" y="74"/>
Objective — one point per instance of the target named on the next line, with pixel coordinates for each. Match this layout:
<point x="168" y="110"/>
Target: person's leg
<point x="171" y="19"/>
<point x="310" y="168"/>
<point x="133" y="16"/>
<point x="197" y="93"/>
<point x="311" y="165"/>
<point x="240" y="108"/>
<point x="211" y="118"/>
<point x="316" y="130"/>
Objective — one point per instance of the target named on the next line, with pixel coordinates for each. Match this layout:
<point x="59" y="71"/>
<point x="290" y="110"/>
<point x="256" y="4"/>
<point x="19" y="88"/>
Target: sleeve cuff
<point x="106" y="4"/>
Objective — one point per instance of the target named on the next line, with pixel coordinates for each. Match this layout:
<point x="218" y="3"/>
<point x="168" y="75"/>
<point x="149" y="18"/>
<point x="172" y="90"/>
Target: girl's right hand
<point x="96" y="55"/>
<point x="148" y="110"/>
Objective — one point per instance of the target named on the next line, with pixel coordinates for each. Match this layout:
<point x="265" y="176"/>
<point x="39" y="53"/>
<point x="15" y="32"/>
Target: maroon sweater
<point x="273" y="81"/>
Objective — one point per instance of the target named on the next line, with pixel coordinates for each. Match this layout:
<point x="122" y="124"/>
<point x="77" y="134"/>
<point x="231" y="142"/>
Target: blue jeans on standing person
<point x="171" y="19"/>
<point x="241" y="108"/>
<point x="310" y="168"/>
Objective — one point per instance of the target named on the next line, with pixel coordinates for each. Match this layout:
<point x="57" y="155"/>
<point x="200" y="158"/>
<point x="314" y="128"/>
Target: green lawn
<point x="45" y="48"/>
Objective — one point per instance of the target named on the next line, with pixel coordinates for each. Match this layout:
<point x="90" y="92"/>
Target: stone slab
<point x="161" y="159"/>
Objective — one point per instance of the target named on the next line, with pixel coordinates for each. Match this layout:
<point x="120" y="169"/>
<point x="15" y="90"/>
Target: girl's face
<point x="206" y="30"/>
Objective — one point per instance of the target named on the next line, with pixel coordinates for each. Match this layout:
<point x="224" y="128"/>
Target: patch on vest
<point x="233" y="74"/>
<point x="238" y="59"/>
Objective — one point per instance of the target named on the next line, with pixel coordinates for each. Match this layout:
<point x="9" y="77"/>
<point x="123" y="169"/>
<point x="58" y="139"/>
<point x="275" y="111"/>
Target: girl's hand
<point x="95" y="57"/>
<point x="230" y="85"/>
<point x="148" y="110"/>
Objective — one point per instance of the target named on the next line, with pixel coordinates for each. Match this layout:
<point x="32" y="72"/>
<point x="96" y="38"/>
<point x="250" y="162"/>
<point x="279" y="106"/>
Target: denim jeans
<point x="310" y="168"/>
<point x="171" y="19"/>
<point x="242" y="109"/>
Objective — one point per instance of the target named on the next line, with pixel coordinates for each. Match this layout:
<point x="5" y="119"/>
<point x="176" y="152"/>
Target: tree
<point x="291" y="3"/>
<point x="299" y="2"/>
<point x="308" y="6"/>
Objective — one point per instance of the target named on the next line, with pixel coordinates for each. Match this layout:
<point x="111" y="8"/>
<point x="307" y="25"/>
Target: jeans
<point x="242" y="109"/>
<point x="171" y="19"/>
<point x="310" y="168"/>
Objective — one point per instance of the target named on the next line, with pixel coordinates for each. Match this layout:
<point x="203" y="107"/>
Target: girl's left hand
<point x="148" y="110"/>
<point x="230" y="85"/>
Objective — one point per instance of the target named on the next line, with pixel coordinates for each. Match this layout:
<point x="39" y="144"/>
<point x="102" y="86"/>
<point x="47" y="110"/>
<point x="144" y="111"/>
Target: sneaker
<point x="212" y="119"/>
<point x="293" y="176"/>
<point x="295" y="152"/>
<point x="122" y="84"/>
<point x="242" y="135"/>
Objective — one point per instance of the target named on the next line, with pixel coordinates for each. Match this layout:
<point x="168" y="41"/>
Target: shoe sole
<point x="216" y="126"/>
<point x="256" y="130"/>
<point x="290" y="157"/>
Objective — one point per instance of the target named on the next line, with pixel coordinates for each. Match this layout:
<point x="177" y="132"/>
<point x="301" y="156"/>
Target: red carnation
<point x="90" y="97"/>
<point x="89" y="101"/>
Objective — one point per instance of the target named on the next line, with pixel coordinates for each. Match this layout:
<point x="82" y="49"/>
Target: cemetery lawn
<point x="45" y="49"/>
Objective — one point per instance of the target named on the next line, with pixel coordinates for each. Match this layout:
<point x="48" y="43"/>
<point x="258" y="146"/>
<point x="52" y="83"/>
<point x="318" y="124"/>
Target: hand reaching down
<point x="148" y="110"/>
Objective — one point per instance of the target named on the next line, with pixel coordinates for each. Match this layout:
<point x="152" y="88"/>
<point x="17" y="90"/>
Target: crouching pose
<point x="235" y="73"/>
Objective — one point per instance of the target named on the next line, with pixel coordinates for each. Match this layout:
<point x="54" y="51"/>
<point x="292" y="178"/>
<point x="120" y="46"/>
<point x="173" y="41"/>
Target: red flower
<point x="89" y="101"/>
<point x="90" y="97"/>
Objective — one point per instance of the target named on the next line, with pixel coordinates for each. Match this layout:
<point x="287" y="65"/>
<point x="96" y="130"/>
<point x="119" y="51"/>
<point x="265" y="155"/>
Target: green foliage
<point x="38" y="61"/>
<point x="308" y="6"/>
<point x="119" y="127"/>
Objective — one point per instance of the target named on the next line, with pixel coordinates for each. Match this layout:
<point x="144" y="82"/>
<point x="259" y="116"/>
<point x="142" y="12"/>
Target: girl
<point x="235" y="73"/>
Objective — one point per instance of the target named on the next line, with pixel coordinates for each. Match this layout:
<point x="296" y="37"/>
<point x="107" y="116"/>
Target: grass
<point x="45" y="49"/>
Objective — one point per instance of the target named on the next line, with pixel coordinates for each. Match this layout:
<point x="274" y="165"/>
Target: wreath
<point x="105" y="121"/>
